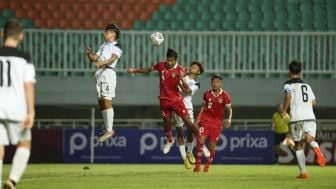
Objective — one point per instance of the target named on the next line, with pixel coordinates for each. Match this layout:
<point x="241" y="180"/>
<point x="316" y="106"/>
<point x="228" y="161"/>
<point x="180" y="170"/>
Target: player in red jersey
<point x="171" y="78"/>
<point x="210" y="119"/>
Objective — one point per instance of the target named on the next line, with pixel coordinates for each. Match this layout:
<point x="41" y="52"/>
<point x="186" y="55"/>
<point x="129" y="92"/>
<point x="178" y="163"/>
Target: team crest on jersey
<point x="173" y="75"/>
<point x="220" y="100"/>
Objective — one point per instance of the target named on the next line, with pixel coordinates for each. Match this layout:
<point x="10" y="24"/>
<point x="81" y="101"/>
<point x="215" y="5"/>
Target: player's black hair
<point x="12" y="28"/>
<point x="295" y="67"/>
<point x="113" y="27"/>
<point x="199" y="64"/>
<point x="171" y="53"/>
<point x="216" y="76"/>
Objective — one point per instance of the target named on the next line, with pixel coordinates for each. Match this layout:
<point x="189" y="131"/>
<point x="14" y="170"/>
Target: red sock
<point x="169" y="133"/>
<point x="199" y="154"/>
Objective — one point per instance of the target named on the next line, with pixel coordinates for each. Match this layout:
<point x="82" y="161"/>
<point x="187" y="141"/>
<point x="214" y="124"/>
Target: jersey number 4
<point x="5" y="73"/>
<point x="304" y="90"/>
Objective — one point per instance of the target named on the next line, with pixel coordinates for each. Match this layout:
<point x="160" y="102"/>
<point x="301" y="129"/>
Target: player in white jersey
<point x="195" y="69"/>
<point x="17" y="112"/>
<point x="300" y="98"/>
<point x="105" y="60"/>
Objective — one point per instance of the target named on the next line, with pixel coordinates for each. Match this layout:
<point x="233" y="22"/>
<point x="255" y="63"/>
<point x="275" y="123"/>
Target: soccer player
<point x="17" y="112"/>
<point x="300" y="98"/>
<point x="280" y="126"/>
<point x="171" y="78"/>
<point x="106" y="59"/>
<point x="195" y="69"/>
<point x="217" y="103"/>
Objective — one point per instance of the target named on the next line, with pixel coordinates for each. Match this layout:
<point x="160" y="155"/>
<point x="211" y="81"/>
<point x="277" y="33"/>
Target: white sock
<point x="182" y="150"/>
<point x="19" y="163"/>
<point x="1" y="163"/>
<point x="301" y="160"/>
<point x="108" y="116"/>
<point x="313" y="144"/>
<point x="190" y="146"/>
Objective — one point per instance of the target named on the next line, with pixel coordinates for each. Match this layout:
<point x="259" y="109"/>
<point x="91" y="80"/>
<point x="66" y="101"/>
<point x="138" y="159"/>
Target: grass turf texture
<point x="73" y="176"/>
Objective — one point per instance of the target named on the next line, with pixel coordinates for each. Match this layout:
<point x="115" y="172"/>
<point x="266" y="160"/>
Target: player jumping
<point x="300" y="98"/>
<point x="171" y="78"/>
<point x="216" y="103"/>
<point x="17" y="112"/>
<point x="195" y="69"/>
<point x="105" y="60"/>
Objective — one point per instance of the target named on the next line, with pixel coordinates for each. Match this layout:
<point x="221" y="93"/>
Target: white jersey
<point x="194" y="86"/>
<point x="301" y="108"/>
<point x="106" y="50"/>
<point x="15" y="70"/>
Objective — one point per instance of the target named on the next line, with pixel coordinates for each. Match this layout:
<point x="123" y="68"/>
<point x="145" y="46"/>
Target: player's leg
<point x="3" y="141"/>
<point x="310" y="132"/>
<point x="204" y="133"/>
<point x="190" y="140"/>
<point x="22" y="139"/>
<point x="165" y="107"/>
<point x="180" y="139"/>
<point x="106" y="84"/>
<point x="298" y="136"/>
<point x="180" y="109"/>
<point x="214" y="134"/>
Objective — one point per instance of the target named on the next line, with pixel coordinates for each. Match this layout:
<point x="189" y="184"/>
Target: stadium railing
<point x="265" y="54"/>
<point x="237" y="124"/>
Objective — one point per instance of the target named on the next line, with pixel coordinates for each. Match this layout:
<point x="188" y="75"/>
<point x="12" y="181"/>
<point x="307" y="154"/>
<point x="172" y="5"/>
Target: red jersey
<point x="214" y="108"/>
<point x="169" y="80"/>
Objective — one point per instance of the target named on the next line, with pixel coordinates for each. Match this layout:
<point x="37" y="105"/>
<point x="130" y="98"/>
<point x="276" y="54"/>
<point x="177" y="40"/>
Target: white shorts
<point x="299" y="129"/>
<point x="178" y="120"/>
<point x="106" y="82"/>
<point x="12" y="133"/>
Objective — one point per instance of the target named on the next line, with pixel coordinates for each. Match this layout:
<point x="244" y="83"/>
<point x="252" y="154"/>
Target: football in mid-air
<point x="156" y="38"/>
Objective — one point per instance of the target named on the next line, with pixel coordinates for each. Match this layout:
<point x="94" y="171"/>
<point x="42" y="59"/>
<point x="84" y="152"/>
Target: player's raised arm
<point x="140" y="70"/>
<point x="92" y="57"/>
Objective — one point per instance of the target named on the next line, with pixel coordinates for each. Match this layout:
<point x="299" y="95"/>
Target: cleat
<point x="206" y="168"/>
<point x="9" y="185"/>
<point x="167" y="147"/>
<point x="197" y="168"/>
<point x="106" y="135"/>
<point x="320" y="158"/>
<point x="186" y="162"/>
<point x="191" y="157"/>
<point x="205" y="151"/>
<point x="302" y="176"/>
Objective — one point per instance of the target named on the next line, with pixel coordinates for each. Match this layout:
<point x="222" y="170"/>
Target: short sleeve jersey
<point x="169" y="80"/>
<point x="214" y="107"/>
<point x="15" y="70"/>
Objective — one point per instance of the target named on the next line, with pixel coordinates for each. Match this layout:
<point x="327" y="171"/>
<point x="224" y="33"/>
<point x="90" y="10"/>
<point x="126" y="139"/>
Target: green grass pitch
<point x="161" y="176"/>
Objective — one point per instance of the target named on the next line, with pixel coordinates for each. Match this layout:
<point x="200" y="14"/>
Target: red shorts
<point x="168" y="106"/>
<point x="212" y="133"/>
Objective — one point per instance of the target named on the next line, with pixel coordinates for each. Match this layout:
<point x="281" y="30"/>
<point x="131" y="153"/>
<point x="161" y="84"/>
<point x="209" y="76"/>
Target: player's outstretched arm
<point x="28" y="122"/>
<point x="140" y="70"/>
<point x="92" y="57"/>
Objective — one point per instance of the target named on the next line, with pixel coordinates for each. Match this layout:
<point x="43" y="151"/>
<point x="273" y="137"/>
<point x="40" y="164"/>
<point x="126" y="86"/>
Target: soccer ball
<point x="156" y="38"/>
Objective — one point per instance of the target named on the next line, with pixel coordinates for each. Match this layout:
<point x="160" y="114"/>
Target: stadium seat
<point x="280" y="25"/>
<point x="139" y="25"/>
<point x="242" y="25"/>
<point x="177" y="25"/>
<point x="7" y="13"/>
<point x="228" y="26"/>
<point x="27" y="23"/>
<point x="187" y="25"/>
<point x="255" y="25"/>
<point x="215" y="25"/>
